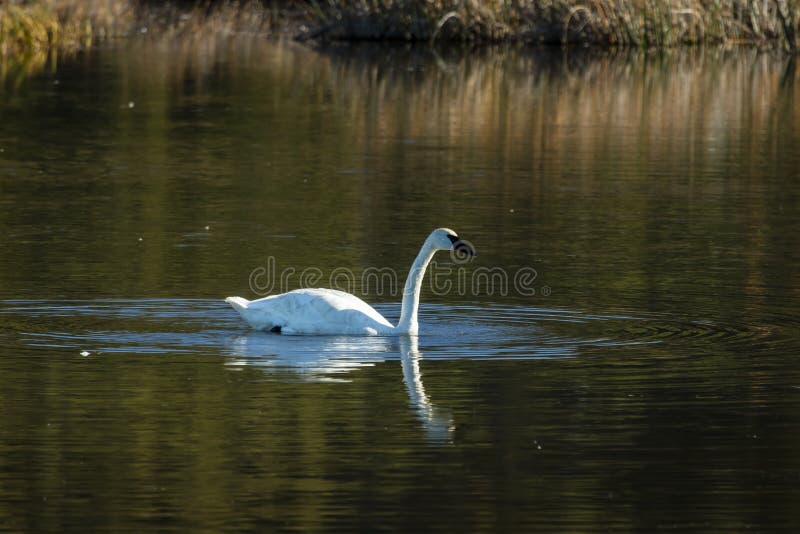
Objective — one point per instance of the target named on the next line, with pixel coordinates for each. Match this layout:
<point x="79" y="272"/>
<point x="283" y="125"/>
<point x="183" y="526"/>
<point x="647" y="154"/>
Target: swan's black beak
<point x="463" y="249"/>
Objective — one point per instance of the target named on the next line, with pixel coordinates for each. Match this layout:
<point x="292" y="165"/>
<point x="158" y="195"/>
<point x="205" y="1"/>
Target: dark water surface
<point x="622" y="354"/>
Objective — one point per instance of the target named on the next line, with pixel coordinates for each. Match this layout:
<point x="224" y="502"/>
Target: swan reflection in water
<point x="438" y="424"/>
<point x="322" y="358"/>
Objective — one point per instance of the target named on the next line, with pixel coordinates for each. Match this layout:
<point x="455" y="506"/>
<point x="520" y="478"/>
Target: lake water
<point x="622" y="355"/>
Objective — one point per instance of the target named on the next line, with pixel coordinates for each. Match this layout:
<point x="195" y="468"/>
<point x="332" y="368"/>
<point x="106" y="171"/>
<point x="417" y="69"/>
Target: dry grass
<point x="209" y="20"/>
<point x="30" y="26"/>
<point x="27" y="27"/>
<point x="641" y="23"/>
<point x="35" y="33"/>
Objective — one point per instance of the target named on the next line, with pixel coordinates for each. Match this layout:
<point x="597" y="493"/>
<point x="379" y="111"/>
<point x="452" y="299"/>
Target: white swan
<point x="328" y="311"/>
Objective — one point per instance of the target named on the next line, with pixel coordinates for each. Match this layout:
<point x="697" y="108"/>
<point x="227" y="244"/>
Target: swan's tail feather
<point x="239" y="304"/>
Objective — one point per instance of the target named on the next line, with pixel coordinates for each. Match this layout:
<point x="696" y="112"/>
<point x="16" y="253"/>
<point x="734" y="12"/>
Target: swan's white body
<point x="328" y="311"/>
<point x="313" y="311"/>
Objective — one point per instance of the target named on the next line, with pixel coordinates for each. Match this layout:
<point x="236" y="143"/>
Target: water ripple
<point x="165" y="326"/>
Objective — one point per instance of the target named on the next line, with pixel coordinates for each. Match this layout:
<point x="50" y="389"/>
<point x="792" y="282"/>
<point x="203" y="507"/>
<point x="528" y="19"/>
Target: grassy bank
<point x="31" y="29"/>
<point x="641" y="23"/>
<point x="34" y="25"/>
<point x="34" y="33"/>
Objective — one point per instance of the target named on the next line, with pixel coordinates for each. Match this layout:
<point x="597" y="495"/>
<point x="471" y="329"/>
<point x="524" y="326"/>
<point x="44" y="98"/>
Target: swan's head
<point x="447" y="239"/>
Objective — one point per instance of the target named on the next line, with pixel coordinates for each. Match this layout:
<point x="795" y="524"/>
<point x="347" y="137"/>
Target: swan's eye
<point x="453" y="238"/>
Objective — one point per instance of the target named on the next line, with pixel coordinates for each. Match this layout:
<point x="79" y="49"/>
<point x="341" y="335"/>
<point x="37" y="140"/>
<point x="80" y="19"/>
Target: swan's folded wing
<point x="315" y="311"/>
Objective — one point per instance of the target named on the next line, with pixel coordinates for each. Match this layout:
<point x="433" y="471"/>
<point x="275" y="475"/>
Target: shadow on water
<point x="414" y="56"/>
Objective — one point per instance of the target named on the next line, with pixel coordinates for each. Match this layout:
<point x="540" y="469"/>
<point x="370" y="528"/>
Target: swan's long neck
<point x="408" y="313"/>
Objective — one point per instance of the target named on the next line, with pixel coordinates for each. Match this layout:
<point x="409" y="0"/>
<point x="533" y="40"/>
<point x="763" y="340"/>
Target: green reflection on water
<point x="656" y="185"/>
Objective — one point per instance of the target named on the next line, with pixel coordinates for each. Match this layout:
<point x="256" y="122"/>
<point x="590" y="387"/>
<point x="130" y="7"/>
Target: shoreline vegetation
<point x="604" y="23"/>
<point x="35" y="32"/>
